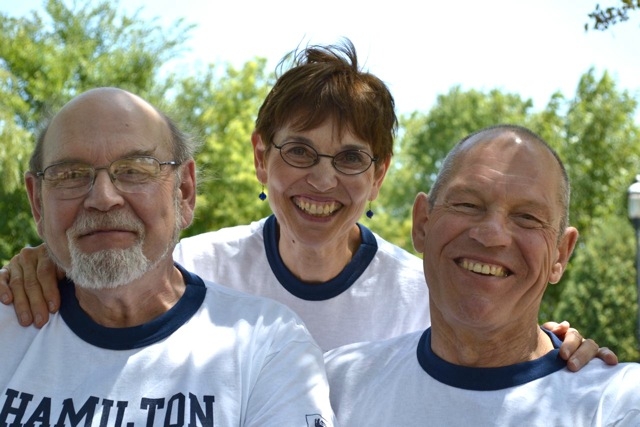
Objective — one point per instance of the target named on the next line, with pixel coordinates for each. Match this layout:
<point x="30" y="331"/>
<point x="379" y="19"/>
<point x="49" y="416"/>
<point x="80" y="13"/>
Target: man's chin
<point x="107" y="269"/>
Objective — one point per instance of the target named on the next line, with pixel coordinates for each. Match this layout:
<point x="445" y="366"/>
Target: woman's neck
<point x="319" y="263"/>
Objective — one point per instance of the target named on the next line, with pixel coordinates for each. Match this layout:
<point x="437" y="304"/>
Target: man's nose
<point x="103" y="194"/>
<point x="492" y="230"/>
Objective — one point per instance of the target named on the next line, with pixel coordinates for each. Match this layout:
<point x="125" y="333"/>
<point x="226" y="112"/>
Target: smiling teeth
<point x="486" y="269"/>
<point x="318" y="210"/>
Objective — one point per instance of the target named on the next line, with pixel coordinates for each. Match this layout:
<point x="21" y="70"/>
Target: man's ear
<point x="32" y="183"/>
<point x="419" y="217"/>
<point x="565" y="249"/>
<point x="259" y="156"/>
<point x="188" y="191"/>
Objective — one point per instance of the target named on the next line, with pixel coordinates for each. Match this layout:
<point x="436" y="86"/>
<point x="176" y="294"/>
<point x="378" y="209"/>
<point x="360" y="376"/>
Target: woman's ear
<point x="259" y="156"/>
<point x="378" y="178"/>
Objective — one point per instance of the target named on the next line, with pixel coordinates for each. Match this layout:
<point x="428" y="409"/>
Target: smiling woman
<point x="322" y="145"/>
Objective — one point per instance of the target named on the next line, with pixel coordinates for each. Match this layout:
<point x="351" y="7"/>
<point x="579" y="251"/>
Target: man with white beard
<point x="139" y="340"/>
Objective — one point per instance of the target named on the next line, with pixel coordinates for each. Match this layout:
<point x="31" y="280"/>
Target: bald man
<point x="494" y="232"/>
<point x="138" y="339"/>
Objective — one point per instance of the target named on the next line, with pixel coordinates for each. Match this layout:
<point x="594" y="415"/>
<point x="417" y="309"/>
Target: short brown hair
<point x="325" y="82"/>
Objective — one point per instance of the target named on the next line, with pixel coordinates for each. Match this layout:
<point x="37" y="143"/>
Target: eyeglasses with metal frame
<point x="348" y="162"/>
<point x="70" y="180"/>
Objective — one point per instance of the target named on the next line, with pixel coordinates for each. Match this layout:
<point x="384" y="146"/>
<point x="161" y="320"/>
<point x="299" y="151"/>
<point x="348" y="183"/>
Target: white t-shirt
<point x="380" y="294"/>
<point x="401" y="382"/>
<point x="217" y="358"/>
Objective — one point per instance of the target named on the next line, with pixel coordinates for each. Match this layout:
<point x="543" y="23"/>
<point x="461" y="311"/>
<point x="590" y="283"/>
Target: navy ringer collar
<point x="483" y="379"/>
<point x="318" y="292"/>
<point x="137" y="336"/>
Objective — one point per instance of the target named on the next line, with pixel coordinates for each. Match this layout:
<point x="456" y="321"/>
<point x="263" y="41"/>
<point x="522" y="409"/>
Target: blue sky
<point x="420" y="49"/>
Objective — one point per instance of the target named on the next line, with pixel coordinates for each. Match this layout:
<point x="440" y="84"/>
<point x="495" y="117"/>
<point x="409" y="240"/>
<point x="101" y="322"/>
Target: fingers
<point x="6" y="296"/>
<point x="31" y="303"/>
<point x="578" y="351"/>
<point x="20" y="299"/>
<point x="558" y="329"/>
<point x="48" y="274"/>
<point x="607" y="355"/>
<point x="584" y="354"/>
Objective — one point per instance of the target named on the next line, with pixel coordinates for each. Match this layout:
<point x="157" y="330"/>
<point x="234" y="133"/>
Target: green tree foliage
<point x="16" y="223"/>
<point x="46" y="60"/>
<point x="50" y="59"/>
<point x="221" y="111"/>
<point x="596" y="136"/>
<point x="603" y="18"/>
<point x="13" y="150"/>
<point x="599" y="142"/>
<point x="600" y="293"/>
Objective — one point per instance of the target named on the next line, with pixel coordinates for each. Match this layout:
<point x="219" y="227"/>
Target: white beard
<point x="110" y="268"/>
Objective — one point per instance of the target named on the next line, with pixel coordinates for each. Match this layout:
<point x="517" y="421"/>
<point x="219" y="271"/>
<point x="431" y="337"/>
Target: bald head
<point x="101" y="117"/>
<point x="109" y="102"/>
<point x="517" y="145"/>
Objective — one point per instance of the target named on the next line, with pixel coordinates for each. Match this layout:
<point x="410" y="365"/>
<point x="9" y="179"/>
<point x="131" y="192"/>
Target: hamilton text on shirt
<point x="20" y="409"/>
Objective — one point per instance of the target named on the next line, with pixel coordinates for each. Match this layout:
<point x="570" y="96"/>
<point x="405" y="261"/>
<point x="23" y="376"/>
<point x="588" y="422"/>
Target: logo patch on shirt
<point x="315" y="420"/>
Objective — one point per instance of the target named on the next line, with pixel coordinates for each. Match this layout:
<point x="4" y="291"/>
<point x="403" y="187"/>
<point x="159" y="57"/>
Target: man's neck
<point x="487" y="349"/>
<point x="134" y="303"/>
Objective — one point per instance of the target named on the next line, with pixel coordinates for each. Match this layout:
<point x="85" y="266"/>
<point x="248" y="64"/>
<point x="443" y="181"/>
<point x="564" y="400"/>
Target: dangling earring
<point x="262" y="196"/>
<point x="369" y="211"/>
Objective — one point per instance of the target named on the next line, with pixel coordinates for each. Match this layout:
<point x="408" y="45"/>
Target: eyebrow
<point x="457" y="190"/>
<point x="309" y="142"/>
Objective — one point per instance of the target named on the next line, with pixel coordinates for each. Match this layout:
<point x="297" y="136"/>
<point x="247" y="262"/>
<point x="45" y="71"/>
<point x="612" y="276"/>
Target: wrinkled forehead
<point x="105" y="125"/>
<point x="511" y="161"/>
<point x="509" y="150"/>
